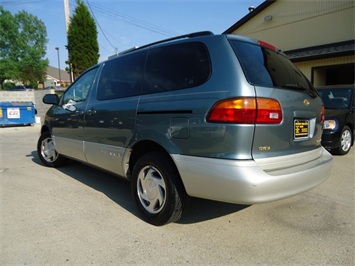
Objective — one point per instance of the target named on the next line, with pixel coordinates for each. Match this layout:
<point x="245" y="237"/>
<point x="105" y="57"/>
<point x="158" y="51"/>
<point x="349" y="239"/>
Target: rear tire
<point x="47" y="153"/>
<point x="157" y="189"/>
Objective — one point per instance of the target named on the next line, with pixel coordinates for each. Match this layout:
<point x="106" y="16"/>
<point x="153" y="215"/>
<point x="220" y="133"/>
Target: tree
<point x="8" y="26"/>
<point x="23" y="39"/>
<point x="83" y="47"/>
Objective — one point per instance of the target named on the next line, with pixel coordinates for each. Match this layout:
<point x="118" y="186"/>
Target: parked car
<point x="59" y="89"/>
<point x="29" y="88"/>
<point x="18" y="88"/>
<point x="339" y="125"/>
<point x="50" y="88"/>
<point x="219" y="117"/>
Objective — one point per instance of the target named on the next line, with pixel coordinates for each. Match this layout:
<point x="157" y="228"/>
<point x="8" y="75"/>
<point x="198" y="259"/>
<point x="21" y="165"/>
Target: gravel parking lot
<point x="76" y="215"/>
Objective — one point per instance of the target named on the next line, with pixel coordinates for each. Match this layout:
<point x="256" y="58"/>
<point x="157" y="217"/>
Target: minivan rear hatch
<point x="276" y="77"/>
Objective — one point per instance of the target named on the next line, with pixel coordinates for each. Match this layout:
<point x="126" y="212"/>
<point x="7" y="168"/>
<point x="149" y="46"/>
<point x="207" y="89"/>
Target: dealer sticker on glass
<point x="13" y="112"/>
<point x="301" y="129"/>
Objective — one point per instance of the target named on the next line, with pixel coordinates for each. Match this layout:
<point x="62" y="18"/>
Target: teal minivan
<point x="220" y="117"/>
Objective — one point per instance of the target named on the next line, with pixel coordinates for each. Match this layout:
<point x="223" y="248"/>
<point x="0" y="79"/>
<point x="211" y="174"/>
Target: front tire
<point x="157" y="189"/>
<point x="345" y="141"/>
<point x="47" y="152"/>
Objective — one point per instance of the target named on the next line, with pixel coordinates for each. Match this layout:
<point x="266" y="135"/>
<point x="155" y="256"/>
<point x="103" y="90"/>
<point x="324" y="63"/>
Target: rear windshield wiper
<point x="298" y="86"/>
<point x="294" y="86"/>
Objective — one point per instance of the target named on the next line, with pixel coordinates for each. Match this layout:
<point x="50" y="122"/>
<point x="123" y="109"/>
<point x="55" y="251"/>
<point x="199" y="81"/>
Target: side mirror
<point x="51" y="99"/>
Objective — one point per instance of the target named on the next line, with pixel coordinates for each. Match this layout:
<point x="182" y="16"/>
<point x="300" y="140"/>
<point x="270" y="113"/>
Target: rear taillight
<point x="269" y="111"/>
<point x="322" y="115"/>
<point x="246" y="111"/>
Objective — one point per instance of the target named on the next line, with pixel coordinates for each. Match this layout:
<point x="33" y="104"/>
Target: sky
<point x="123" y="24"/>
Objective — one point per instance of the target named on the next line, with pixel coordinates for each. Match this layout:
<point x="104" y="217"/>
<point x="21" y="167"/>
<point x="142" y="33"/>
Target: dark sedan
<point x="338" y="134"/>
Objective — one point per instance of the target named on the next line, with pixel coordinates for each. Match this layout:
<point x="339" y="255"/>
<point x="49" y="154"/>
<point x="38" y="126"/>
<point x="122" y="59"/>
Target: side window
<point x="121" y="77"/>
<point x="176" y="67"/>
<point x="79" y="90"/>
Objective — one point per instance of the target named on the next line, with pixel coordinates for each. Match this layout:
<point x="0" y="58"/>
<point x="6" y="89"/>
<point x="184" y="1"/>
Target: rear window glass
<point x="265" y="67"/>
<point x="176" y="67"/>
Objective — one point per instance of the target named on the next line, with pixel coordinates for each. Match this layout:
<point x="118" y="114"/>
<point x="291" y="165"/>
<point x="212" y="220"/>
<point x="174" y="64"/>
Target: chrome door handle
<point x="91" y="111"/>
<point x="79" y="112"/>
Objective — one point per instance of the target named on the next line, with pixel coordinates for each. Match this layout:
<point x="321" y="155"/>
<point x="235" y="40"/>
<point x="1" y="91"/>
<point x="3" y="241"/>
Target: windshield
<point x="268" y="68"/>
<point x="335" y="98"/>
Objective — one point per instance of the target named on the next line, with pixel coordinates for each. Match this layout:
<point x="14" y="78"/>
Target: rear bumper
<point x="248" y="181"/>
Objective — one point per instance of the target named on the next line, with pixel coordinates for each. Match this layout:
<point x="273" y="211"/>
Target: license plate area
<point x="301" y="129"/>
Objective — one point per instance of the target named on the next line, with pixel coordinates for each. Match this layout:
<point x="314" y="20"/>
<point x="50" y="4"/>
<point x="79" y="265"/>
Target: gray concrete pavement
<point x="77" y="215"/>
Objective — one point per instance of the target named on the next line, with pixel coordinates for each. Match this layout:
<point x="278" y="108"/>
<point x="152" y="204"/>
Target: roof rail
<point x="190" y="35"/>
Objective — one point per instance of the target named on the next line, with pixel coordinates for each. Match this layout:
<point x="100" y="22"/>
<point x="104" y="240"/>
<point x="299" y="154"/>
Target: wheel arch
<point x="44" y="128"/>
<point x="143" y="147"/>
<point x="146" y="146"/>
<point x="351" y="127"/>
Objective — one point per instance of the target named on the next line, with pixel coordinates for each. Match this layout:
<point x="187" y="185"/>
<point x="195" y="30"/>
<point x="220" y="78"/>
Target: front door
<point x="67" y="128"/>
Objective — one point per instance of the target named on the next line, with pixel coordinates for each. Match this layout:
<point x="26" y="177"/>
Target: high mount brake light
<point x="267" y="45"/>
<point x="246" y="111"/>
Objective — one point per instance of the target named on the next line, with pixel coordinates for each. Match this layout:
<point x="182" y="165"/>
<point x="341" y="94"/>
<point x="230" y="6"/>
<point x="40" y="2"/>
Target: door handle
<point x="91" y="112"/>
<point x="79" y="112"/>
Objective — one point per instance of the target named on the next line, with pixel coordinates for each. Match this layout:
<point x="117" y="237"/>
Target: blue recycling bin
<point x="17" y="113"/>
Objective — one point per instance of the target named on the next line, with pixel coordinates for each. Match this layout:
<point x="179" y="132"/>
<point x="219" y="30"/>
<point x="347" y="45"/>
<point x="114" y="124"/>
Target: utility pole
<point x="66" y="13"/>
<point x="60" y="79"/>
<point x="67" y="21"/>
